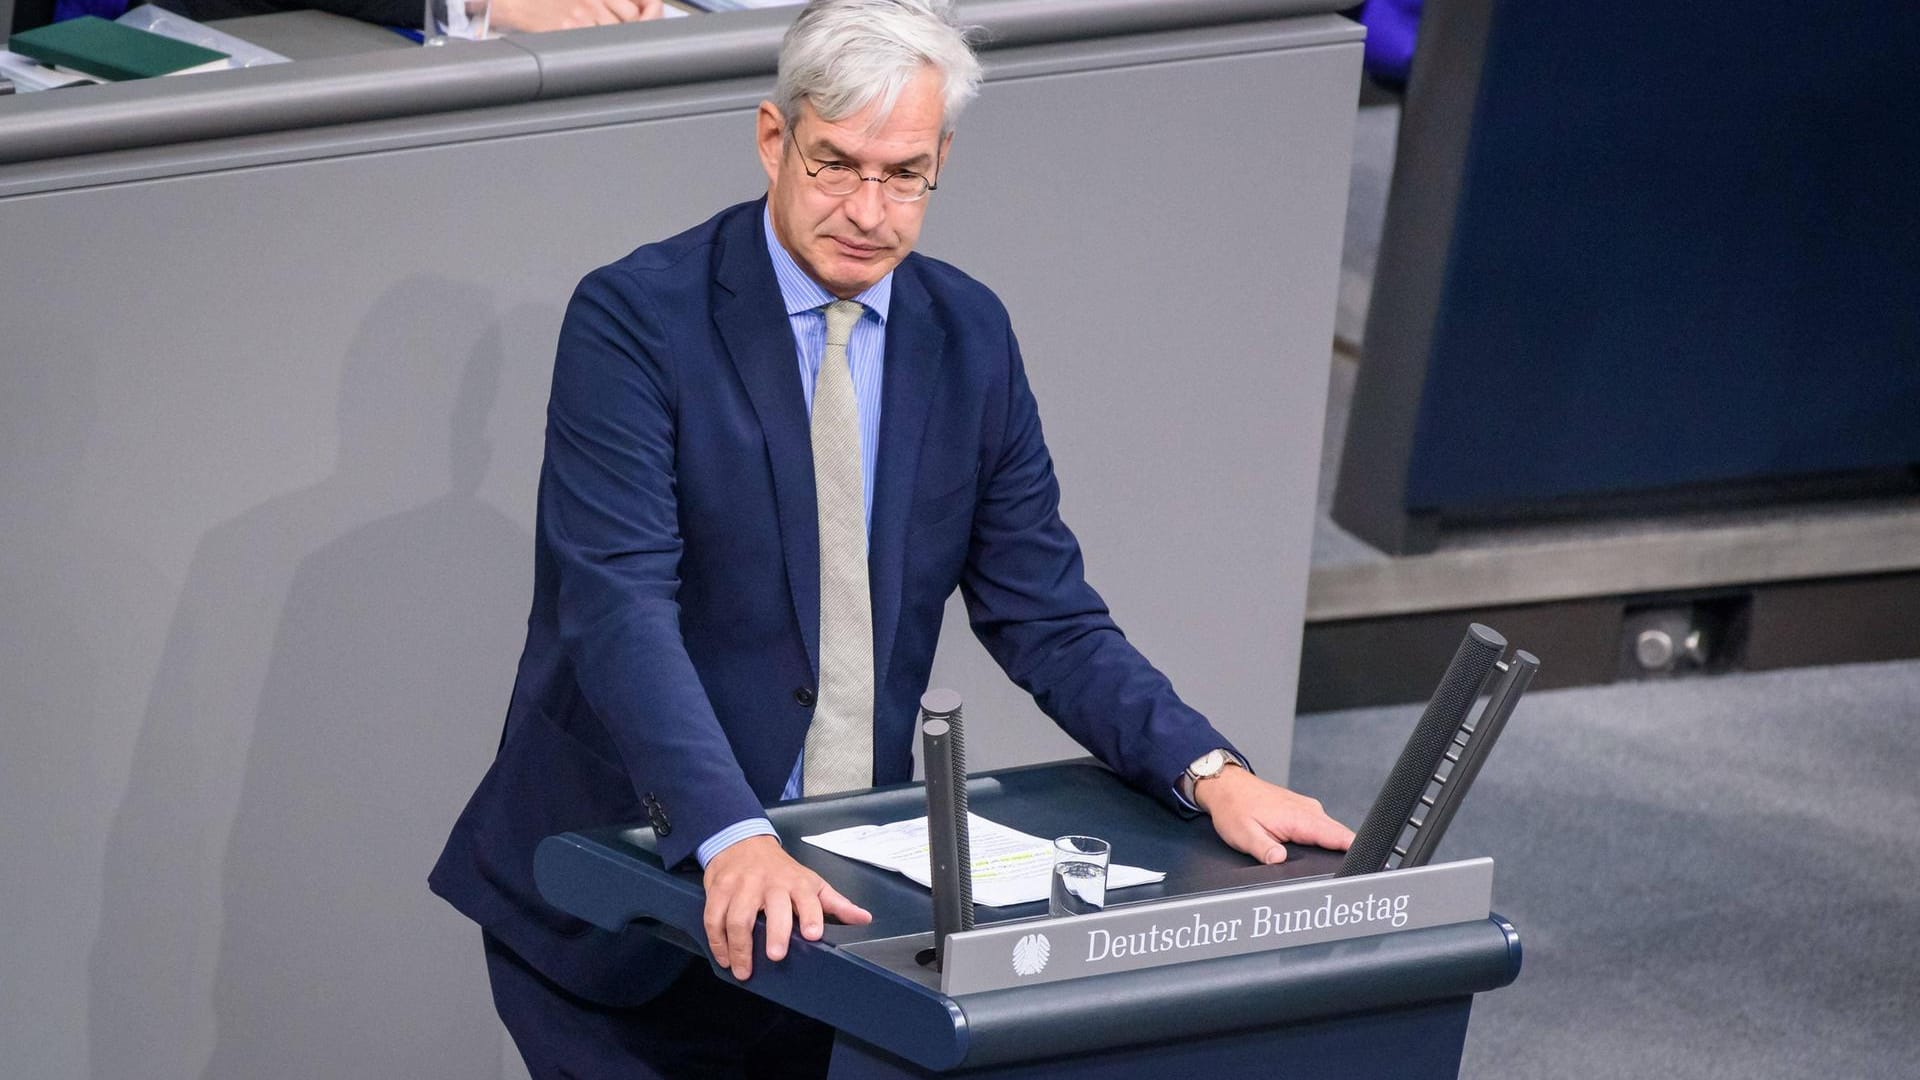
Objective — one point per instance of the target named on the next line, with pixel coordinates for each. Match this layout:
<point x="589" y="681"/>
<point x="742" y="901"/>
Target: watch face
<point x="1209" y="765"/>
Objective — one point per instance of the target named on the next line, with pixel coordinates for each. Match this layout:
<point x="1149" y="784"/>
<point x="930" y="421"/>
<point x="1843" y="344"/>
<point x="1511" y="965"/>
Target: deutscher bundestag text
<point x="1266" y="922"/>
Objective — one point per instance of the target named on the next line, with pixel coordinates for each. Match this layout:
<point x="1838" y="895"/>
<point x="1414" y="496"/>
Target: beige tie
<point x="839" y="754"/>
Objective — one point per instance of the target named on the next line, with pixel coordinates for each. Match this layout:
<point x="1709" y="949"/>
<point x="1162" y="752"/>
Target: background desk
<point x="270" y="425"/>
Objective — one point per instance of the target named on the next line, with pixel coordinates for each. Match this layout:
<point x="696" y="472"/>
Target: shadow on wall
<point x="322" y="710"/>
<point x="70" y="590"/>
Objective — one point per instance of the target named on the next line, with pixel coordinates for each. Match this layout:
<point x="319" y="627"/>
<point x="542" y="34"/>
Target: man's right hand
<point x="757" y="875"/>
<point x="534" y="16"/>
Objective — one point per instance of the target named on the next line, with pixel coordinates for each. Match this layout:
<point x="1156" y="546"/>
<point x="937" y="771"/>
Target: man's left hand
<point x="1260" y="819"/>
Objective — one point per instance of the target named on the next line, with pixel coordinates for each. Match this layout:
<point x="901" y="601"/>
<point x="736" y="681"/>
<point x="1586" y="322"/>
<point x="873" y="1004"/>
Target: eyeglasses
<point x="841" y="180"/>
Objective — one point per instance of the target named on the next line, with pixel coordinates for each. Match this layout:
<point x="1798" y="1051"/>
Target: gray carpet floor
<point x="1712" y="877"/>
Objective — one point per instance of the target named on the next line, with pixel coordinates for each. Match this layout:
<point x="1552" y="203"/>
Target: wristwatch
<point x="1207" y="764"/>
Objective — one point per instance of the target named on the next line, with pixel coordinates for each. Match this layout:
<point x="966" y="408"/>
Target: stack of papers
<point x="104" y="48"/>
<point x="108" y="50"/>
<point x="1009" y="866"/>
<point x="28" y="74"/>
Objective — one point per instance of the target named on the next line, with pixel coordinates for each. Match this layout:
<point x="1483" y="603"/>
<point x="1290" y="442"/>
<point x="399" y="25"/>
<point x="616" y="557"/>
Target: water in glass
<point x="1078" y="888"/>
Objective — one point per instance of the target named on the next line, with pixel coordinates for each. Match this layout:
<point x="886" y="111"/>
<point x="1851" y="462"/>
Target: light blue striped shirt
<point x="866" y="359"/>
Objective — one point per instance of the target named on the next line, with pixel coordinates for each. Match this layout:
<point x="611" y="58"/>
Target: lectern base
<point x="1421" y="1042"/>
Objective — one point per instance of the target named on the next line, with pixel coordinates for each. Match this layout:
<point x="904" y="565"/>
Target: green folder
<point x="109" y="50"/>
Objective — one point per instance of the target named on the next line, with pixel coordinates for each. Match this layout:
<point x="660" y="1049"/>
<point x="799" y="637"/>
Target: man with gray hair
<point x="776" y="444"/>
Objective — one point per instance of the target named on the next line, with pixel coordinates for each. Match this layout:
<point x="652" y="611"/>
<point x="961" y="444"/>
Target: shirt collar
<point x="802" y="293"/>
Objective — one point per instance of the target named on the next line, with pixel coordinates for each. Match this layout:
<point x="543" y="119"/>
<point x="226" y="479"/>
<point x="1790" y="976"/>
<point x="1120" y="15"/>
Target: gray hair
<point x="845" y="55"/>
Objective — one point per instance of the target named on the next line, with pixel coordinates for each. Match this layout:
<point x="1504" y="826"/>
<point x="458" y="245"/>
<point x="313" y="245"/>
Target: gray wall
<point x="268" y="442"/>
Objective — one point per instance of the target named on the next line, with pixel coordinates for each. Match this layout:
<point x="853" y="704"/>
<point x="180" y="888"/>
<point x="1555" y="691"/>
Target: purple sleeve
<point x="1392" y="29"/>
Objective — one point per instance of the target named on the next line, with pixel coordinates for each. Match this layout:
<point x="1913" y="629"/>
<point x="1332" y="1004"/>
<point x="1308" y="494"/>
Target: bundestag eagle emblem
<point x="1030" y="954"/>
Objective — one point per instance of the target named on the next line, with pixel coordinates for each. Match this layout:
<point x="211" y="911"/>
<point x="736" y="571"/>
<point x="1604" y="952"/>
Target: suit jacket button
<point x="658" y="819"/>
<point x="804" y="696"/>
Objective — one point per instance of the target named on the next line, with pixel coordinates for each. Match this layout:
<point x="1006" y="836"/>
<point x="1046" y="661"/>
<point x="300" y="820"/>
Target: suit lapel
<point x="752" y="321"/>
<point x="912" y="375"/>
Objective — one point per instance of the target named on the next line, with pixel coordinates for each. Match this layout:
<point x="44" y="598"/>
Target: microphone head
<point x="941" y="703"/>
<point x="1487" y="635"/>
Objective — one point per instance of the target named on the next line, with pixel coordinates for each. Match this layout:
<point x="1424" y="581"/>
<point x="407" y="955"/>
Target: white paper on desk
<point x="28" y="74"/>
<point x="1009" y="866"/>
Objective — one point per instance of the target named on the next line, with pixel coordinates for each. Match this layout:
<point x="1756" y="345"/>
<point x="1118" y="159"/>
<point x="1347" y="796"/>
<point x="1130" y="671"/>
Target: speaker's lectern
<point x="1223" y="969"/>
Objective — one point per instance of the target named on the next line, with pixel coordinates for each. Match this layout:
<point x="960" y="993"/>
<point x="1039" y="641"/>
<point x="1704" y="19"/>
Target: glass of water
<point x="1079" y="875"/>
<point x="464" y="20"/>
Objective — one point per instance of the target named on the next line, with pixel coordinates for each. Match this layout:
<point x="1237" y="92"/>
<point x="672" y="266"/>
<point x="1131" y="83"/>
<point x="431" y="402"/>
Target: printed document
<point x="1009" y="866"/>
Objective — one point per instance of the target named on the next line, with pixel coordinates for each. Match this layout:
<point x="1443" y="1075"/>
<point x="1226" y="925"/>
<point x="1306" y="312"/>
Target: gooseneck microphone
<point x="1463" y="759"/>
<point x="944" y="751"/>
<point x="1373" y="844"/>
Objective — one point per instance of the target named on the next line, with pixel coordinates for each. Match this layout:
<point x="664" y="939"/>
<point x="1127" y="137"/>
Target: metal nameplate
<point x="1035" y="951"/>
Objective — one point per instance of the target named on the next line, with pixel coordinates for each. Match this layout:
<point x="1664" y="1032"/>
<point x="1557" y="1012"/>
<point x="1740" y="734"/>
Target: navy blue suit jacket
<point x="671" y="649"/>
